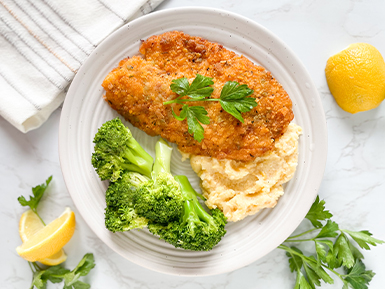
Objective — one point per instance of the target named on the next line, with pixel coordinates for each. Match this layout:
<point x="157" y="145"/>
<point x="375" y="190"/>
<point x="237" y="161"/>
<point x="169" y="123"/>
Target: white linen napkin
<point x="43" y="43"/>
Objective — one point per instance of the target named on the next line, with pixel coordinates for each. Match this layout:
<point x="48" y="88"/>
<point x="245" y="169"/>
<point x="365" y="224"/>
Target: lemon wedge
<point x="29" y="225"/>
<point x="356" y="77"/>
<point x="48" y="240"/>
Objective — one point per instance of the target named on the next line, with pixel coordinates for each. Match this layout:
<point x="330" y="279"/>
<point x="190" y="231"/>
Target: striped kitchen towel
<point x="43" y="43"/>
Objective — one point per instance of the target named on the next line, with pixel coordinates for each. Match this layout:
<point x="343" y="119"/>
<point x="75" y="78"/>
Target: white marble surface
<point x="353" y="184"/>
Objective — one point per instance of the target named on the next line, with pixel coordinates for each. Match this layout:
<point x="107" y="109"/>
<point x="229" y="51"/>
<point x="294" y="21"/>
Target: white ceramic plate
<point x="85" y="110"/>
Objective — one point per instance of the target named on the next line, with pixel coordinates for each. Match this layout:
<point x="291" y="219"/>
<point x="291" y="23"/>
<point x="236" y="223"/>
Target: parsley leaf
<point x="233" y="99"/>
<point x="356" y="253"/>
<point x="37" y="192"/>
<point x="302" y="282"/>
<point x="57" y="274"/>
<point x="329" y="230"/>
<point x="363" y="238"/>
<point x="34" y="200"/>
<point x="329" y="255"/>
<point x="312" y="268"/>
<point x="195" y="116"/>
<point x="342" y="253"/>
<point x="358" y="277"/>
<point x="53" y="273"/>
<point x="320" y="250"/>
<point x="313" y="278"/>
<point x="295" y="261"/>
<point x="38" y="281"/>
<point x="198" y="89"/>
<point x="318" y="213"/>
<point x="82" y="269"/>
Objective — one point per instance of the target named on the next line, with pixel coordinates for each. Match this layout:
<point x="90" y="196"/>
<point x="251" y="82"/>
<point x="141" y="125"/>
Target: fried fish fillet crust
<point x="138" y="87"/>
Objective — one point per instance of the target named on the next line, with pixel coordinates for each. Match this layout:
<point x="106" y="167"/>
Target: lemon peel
<point x="49" y="240"/>
<point x="356" y="77"/>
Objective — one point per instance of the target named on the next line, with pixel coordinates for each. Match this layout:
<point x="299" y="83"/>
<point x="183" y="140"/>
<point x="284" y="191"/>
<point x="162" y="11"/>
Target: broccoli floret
<point x="116" y="150"/>
<point x="160" y="200"/>
<point x="196" y="230"/>
<point x="120" y="214"/>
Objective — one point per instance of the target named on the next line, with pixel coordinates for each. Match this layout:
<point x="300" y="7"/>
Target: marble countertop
<point x="353" y="185"/>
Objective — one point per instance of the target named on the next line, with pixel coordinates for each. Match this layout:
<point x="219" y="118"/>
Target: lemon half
<point x="356" y="77"/>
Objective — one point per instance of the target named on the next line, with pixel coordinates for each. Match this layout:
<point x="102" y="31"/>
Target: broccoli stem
<point x="193" y="211"/>
<point x="138" y="157"/>
<point x="162" y="158"/>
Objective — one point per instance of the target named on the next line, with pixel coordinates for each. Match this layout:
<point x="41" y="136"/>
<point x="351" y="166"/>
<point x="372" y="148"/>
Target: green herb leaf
<point x="317" y="268"/>
<point x="303" y="284"/>
<point x="180" y="86"/>
<point x="86" y="264"/>
<point x="38" y="281"/>
<point x="238" y="106"/>
<point x="183" y="113"/>
<point x="196" y="115"/>
<point x="318" y="213"/>
<point x="295" y="261"/>
<point x="342" y="252"/>
<point x="199" y="88"/>
<point x="358" y="277"/>
<point x="78" y="285"/>
<point x="82" y="269"/>
<point x="55" y="274"/>
<point x="312" y="277"/>
<point x="37" y="192"/>
<point x="329" y="230"/>
<point x="363" y="239"/>
<point x="321" y="249"/>
<point x="330" y="256"/>
<point x="234" y="99"/>
<point x="232" y="90"/>
<point x="356" y="253"/>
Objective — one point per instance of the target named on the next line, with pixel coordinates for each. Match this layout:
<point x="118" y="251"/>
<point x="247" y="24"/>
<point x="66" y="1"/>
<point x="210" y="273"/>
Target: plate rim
<point x="194" y="9"/>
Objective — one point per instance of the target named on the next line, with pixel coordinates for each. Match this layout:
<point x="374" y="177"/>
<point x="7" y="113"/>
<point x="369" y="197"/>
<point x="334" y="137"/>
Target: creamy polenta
<point x="241" y="188"/>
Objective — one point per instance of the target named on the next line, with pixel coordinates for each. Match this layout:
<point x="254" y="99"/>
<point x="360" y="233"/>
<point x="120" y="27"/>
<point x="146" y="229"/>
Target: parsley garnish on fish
<point x="233" y="99"/>
<point x="333" y="250"/>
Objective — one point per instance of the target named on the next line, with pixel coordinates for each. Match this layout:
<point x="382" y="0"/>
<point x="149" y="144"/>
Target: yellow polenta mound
<point x="241" y="188"/>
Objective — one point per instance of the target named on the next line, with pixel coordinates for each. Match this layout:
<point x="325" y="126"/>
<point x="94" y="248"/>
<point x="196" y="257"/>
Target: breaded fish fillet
<point x="138" y="87"/>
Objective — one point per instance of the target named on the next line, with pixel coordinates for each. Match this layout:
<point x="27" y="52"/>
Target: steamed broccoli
<point x="120" y="214"/>
<point x="160" y="200"/>
<point x="116" y="151"/>
<point x="196" y="230"/>
<point x="141" y="194"/>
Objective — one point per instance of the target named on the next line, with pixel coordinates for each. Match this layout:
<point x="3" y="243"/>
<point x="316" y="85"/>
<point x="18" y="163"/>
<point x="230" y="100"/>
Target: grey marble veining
<point x="353" y="184"/>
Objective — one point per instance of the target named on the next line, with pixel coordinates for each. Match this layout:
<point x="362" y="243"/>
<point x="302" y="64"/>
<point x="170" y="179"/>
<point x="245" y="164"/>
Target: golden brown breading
<point x="139" y="86"/>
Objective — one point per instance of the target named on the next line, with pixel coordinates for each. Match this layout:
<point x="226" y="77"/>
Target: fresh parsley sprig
<point x="57" y="274"/>
<point x="233" y="99"/>
<point x="34" y="200"/>
<point x="333" y="249"/>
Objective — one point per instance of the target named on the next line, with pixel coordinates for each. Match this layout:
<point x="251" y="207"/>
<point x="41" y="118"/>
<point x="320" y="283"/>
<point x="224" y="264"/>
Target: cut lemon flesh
<point x="47" y="240"/>
<point x="29" y="225"/>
